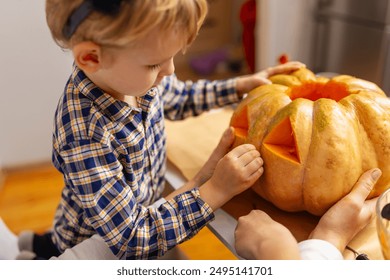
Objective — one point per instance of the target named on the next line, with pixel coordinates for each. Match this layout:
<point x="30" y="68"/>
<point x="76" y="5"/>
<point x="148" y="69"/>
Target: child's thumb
<point x="227" y="139"/>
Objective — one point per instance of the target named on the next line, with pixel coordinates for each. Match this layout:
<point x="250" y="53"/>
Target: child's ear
<point x="87" y="56"/>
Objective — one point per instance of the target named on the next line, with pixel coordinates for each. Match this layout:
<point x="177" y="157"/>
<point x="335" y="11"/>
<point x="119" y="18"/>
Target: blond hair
<point x="135" y="19"/>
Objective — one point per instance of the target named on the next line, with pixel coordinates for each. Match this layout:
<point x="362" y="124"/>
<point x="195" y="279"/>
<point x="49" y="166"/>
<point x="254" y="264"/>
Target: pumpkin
<point x="316" y="137"/>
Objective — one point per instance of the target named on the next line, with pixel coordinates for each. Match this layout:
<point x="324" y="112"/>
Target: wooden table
<point x="191" y="141"/>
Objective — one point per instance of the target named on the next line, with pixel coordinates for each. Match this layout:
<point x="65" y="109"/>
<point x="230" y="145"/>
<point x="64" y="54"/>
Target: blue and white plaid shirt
<point x="113" y="156"/>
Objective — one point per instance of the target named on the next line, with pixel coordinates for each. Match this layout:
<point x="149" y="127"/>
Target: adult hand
<point x="258" y="236"/>
<point x="349" y="215"/>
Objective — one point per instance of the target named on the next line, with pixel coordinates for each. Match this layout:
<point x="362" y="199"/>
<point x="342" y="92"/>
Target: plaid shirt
<point x="112" y="157"/>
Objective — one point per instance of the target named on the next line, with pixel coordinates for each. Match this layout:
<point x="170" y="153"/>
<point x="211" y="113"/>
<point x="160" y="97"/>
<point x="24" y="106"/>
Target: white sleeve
<point x="9" y="243"/>
<point x="93" y="248"/>
<point x="316" y="249"/>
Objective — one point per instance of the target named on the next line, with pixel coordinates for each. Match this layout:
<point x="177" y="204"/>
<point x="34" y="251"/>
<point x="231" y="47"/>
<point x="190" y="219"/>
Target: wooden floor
<point x="29" y="196"/>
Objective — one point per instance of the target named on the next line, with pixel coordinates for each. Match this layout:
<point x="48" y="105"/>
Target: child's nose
<point x="168" y="68"/>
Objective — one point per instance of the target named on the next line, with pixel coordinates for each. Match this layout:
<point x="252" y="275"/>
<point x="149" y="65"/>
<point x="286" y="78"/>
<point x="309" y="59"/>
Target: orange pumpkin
<point x="316" y="137"/>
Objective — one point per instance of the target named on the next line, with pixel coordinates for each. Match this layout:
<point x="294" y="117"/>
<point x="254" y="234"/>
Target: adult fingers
<point x="369" y="207"/>
<point x="365" y="184"/>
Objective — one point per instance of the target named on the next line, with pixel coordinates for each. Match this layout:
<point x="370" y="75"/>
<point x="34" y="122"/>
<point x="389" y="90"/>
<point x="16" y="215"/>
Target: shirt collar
<point x="116" y="109"/>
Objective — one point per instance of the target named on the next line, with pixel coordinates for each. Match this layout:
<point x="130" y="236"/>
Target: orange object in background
<point x="283" y="58"/>
<point x="248" y="20"/>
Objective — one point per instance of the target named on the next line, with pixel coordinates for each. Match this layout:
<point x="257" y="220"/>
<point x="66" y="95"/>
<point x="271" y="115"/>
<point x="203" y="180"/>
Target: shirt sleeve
<point x="131" y="230"/>
<point x="316" y="249"/>
<point x="184" y="99"/>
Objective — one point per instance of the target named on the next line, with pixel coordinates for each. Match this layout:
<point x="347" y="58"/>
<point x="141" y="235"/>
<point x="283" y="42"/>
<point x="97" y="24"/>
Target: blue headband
<point x="108" y="7"/>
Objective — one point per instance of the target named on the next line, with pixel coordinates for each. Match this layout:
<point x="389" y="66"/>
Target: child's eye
<point x="154" y="67"/>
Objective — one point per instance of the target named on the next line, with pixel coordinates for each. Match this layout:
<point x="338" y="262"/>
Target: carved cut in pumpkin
<point x="316" y="136"/>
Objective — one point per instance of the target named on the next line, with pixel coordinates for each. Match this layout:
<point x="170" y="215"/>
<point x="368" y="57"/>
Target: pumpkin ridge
<point x="330" y="171"/>
<point x="378" y="128"/>
<point x="264" y="116"/>
<point x="247" y="112"/>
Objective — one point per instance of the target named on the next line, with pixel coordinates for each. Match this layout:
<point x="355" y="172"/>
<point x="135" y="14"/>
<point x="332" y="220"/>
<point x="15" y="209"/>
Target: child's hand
<point x="219" y="152"/>
<point x="238" y="170"/>
<point x="259" y="237"/>
<point x="235" y="172"/>
<point x="350" y="215"/>
<point x="249" y="82"/>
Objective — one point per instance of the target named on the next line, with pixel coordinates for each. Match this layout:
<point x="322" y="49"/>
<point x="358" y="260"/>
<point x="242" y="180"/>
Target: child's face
<point x="132" y="71"/>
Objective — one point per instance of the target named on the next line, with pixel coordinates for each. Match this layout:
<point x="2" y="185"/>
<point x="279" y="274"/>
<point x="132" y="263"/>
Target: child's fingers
<point x="242" y="149"/>
<point x="248" y="160"/>
<point x="254" y="170"/>
<point x="248" y="157"/>
<point x="255" y="175"/>
<point x="253" y="165"/>
<point x="228" y="135"/>
<point x="262" y="81"/>
<point x="225" y="142"/>
<point x="285" y="68"/>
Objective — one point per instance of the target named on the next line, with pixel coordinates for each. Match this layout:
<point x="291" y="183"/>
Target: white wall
<point x="33" y="72"/>
<point x="284" y="26"/>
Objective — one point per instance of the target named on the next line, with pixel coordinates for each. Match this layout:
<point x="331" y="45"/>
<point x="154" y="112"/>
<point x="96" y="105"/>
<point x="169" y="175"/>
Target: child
<point x="255" y="232"/>
<point x="109" y="139"/>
